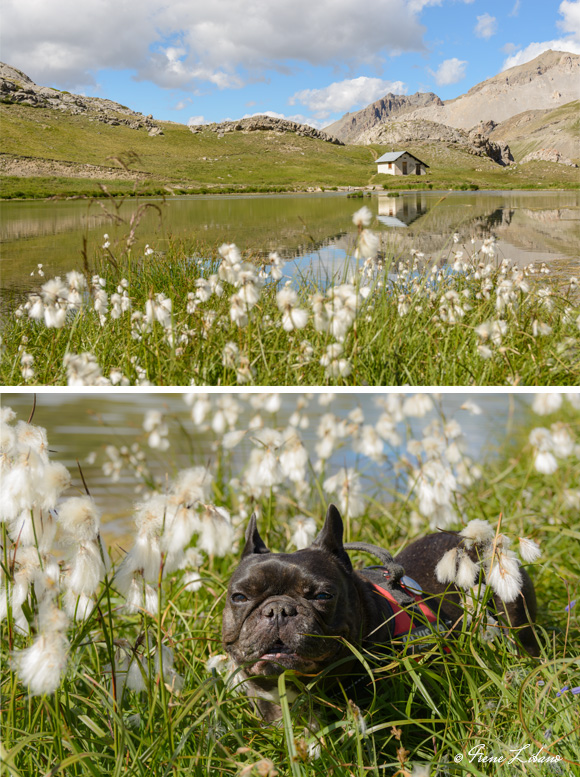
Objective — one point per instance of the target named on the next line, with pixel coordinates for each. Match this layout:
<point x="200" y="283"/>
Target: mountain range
<point x="532" y="92"/>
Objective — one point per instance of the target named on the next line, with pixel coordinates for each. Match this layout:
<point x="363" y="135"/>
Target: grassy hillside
<point x="533" y="130"/>
<point x="50" y="151"/>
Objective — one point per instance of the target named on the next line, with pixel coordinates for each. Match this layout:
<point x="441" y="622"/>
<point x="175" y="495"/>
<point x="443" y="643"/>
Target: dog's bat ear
<point x="254" y="543"/>
<point x="330" y="536"/>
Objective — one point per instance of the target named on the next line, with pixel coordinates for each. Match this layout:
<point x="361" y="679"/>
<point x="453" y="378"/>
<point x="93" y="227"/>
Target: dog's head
<point x="288" y="610"/>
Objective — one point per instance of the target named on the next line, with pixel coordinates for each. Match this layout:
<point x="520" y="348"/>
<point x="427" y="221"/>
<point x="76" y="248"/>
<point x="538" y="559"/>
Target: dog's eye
<point x="322" y="595"/>
<point x="239" y="598"/>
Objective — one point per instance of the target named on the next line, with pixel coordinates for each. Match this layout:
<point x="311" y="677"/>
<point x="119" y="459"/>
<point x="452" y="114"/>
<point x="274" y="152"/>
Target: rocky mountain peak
<point x="352" y="125"/>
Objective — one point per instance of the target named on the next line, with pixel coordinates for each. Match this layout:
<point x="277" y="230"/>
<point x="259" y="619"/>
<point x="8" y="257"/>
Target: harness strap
<point x="404" y="625"/>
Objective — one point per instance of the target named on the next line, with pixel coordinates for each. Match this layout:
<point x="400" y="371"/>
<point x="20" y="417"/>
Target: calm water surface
<point x="81" y="424"/>
<point x="529" y="227"/>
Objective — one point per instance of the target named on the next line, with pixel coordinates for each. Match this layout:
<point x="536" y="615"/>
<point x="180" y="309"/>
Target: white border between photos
<point x="95" y="390"/>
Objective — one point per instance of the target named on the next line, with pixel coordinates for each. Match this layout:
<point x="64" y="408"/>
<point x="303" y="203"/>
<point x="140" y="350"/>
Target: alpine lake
<point x="306" y="229"/>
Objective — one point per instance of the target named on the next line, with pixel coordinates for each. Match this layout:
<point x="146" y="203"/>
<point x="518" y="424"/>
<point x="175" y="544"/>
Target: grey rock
<point x="269" y="124"/>
<point x="16" y="87"/>
<point x="548" y="155"/>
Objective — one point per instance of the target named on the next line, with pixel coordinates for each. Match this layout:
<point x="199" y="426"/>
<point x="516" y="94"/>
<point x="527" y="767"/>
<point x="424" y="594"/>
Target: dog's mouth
<point x="278" y="651"/>
<point x="278" y="657"/>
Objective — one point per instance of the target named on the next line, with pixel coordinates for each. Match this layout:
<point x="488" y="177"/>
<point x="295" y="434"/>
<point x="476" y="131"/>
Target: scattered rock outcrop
<point x="267" y="123"/>
<point x="401" y="131"/>
<point x="500" y="152"/>
<point x="17" y="87"/>
<point x="548" y="155"/>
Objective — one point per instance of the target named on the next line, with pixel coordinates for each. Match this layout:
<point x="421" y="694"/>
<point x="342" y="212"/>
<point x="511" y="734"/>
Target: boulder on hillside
<point x="499" y="152"/>
<point x="548" y="155"/>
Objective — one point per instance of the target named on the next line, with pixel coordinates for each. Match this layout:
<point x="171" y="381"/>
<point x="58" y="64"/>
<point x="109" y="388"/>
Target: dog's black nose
<point x="279" y="609"/>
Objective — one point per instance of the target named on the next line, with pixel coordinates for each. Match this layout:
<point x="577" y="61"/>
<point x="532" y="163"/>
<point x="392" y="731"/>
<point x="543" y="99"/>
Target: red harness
<point x="404" y="625"/>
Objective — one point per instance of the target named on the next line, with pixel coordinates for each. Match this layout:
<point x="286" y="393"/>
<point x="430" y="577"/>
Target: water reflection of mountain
<point x="528" y="226"/>
<point x="538" y="226"/>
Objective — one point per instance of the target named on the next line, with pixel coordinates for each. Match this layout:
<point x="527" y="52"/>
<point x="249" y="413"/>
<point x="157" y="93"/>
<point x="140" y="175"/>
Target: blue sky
<point x="195" y="61"/>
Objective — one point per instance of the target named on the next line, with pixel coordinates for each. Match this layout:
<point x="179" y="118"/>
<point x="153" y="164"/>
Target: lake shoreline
<point x="274" y="191"/>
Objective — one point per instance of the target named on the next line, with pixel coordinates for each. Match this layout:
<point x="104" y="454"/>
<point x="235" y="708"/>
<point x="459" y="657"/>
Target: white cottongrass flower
<point x="276" y="266"/>
<point x="86" y="570"/>
<point x="78" y="606"/>
<point x="83" y="370"/>
<point x="369" y="443"/>
<point x="231" y="262"/>
<point x="334" y="365"/>
<point x="505" y="577"/>
<point x="216" y="533"/>
<point x="80" y="517"/>
<point x="222" y="664"/>
<point x="544" y="460"/>
<point x="471" y="407"/>
<point x="491" y="331"/>
<point x="154" y="424"/>
<point x="435" y="485"/>
<point x="467" y="572"/>
<point x="446" y="568"/>
<point x="386" y="427"/>
<point x="206" y="287"/>
<point x="292" y="316"/>
<point x="417" y="406"/>
<point x="368" y="245"/>
<point x="293" y="456"/>
<point x="477" y="531"/>
<point x="562" y="440"/>
<point x="529" y="550"/>
<point x="303" y="531"/>
<point x="264" y="470"/>
<point x="238" y="310"/>
<point x="192" y="485"/>
<point x="227" y="410"/>
<point x="158" y="308"/>
<point x="547" y="403"/>
<point x="540" y="328"/>
<point x="346" y="487"/>
<point x="362" y="217"/>
<point x="42" y="665"/>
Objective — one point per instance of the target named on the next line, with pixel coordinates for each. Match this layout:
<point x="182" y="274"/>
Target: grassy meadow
<point x="211" y="316"/>
<point x="85" y="692"/>
<point x="237" y="162"/>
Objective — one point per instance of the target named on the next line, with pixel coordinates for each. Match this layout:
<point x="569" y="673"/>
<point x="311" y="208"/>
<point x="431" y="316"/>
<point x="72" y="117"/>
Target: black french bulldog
<point x="299" y="610"/>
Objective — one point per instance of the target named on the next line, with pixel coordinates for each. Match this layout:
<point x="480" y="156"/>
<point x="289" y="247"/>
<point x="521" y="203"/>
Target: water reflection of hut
<point x="401" y="211"/>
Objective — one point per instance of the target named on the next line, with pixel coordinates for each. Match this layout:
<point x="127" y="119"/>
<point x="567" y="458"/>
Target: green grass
<point x="433" y="710"/>
<point x="257" y="161"/>
<point x="414" y="330"/>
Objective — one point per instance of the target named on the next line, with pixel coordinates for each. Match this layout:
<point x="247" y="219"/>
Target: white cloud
<point x="184" y="42"/>
<point x="195" y="121"/>
<point x="571" y="21"/>
<point x="341" y="96"/>
<point x="449" y="72"/>
<point x="182" y="104"/>
<point x="516" y="9"/>
<point x="535" y="49"/>
<point x="570" y="24"/>
<point x="486" y="26"/>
